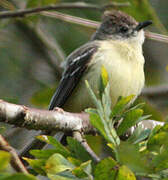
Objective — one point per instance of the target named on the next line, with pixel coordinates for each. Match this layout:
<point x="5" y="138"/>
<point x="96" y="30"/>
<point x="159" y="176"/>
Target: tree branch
<point x="72" y="19"/>
<point x="156" y="36"/>
<point x="79" y="5"/>
<point x="57" y="120"/>
<point x="37" y="119"/>
<point x="15" y="161"/>
<point x="94" y="24"/>
<point x="77" y="135"/>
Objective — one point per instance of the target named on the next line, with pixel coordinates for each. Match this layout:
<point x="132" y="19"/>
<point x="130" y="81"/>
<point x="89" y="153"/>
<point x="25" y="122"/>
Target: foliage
<point x="143" y="153"/>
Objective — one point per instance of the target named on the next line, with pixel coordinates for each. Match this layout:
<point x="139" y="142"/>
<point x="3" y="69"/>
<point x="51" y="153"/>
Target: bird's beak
<point x="142" y="25"/>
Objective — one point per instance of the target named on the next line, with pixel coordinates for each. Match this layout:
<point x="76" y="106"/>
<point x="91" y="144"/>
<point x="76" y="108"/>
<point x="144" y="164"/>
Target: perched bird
<point x="116" y="45"/>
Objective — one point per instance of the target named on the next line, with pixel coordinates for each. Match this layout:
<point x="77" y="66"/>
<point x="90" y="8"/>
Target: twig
<point x="15" y="161"/>
<point x="77" y="135"/>
<point x="50" y="121"/>
<point x="71" y="19"/>
<point x="37" y="119"/>
<point x="156" y="91"/>
<point x="79" y="5"/>
<point x="94" y="24"/>
<point x="156" y="37"/>
<point x="57" y="120"/>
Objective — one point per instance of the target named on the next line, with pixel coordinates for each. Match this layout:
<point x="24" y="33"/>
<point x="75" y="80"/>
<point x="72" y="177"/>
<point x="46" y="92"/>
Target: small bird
<point x="116" y="45"/>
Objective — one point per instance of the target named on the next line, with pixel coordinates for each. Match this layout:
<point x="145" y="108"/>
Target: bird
<point x="116" y="45"/>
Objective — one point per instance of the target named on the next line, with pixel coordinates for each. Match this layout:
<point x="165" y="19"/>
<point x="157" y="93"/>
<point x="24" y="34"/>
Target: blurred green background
<point x="31" y="46"/>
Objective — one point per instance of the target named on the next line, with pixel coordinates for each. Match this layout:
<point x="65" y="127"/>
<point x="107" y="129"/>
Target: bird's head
<point x="120" y="26"/>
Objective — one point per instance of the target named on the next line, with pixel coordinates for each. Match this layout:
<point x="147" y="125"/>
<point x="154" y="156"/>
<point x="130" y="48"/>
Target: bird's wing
<point x="77" y="63"/>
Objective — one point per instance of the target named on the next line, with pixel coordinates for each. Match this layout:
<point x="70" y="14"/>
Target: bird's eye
<point x="124" y="29"/>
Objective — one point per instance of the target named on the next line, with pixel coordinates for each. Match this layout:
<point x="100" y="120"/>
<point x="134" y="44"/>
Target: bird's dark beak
<point x="142" y="25"/>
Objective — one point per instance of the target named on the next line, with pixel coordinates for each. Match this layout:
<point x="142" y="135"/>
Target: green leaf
<point x="78" y="172"/>
<point x="18" y="176"/>
<point x="87" y="168"/>
<point x="103" y="80"/>
<point x="160" y="161"/>
<point x="139" y="135"/>
<point x="77" y="150"/>
<point x="130" y="156"/>
<point x="121" y="105"/>
<point x="43" y="154"/>
<point x="149" y="108"/>
<point x="125" y="173"/>
<point x="59" y="148"/>
<point x="96" y="101"/>
<point x="106" y="102"/>
<point x="4" y="160"/>
<point x="104" y="76"/>
<point x="158" y="138"/>
<point x="130" y="119"/>
<point x="137" y="106"/>
<point x="65" y="175"/>
<point x="101" y="119"/>
<point x="95" y="120"/>
<point x="84" y="170"/>
<point x="142" y="118"/>
<point x="57" y="163"/>
<point x="106" y="169"/>
<point x="95" y="143"/>
<point x="74" y="161"/>
<point x="37" y="164"/>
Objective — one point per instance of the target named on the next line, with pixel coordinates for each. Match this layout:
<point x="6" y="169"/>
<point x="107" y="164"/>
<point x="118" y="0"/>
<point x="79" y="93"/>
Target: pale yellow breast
<point x="124" y="63"/>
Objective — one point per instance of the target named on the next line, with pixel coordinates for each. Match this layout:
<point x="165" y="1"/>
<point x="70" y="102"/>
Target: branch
<point x="57" y="120"/>
<point x="37" y="119"/>
<point x="94" y="24"/>
<point x="156" y="91"/>
<point x="15" y="161"/>
<point x="77" y="135"/>
<point x="156" y="37"/>
<point x="79" y="5"/>
<point x="72" y="19"/>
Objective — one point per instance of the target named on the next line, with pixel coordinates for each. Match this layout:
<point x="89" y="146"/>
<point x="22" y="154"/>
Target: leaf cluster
<point x="142" y="153"/>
